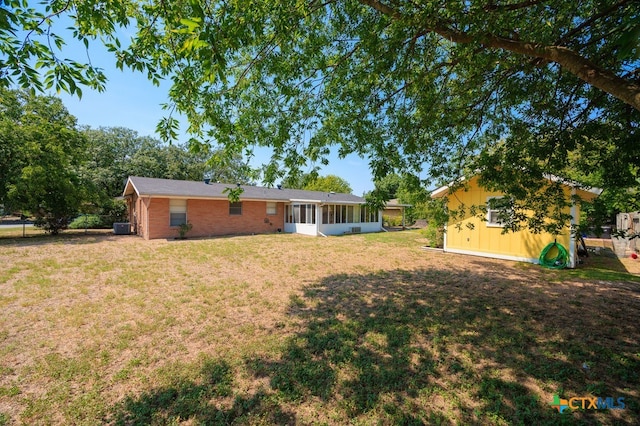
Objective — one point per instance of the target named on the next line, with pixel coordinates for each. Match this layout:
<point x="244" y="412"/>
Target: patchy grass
<point x="282" y="329"/>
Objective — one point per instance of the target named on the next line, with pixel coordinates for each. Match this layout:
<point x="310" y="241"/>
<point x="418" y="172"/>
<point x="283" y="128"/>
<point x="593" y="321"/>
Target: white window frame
<point x="177" y="207"/>
<point x="295" y="213"/>
<point x="272" y="208"/>
<point x="493" y="223"/>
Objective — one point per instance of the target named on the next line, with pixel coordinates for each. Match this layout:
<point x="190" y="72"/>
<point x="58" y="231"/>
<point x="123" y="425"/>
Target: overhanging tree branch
<point x="598" y="77"/>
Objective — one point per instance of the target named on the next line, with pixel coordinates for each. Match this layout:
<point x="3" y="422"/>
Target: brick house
<point x="157" y="207"/>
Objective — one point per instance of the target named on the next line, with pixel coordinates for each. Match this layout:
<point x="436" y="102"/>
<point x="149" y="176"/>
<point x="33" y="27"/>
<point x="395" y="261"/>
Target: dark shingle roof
<point x="190" y="189"/>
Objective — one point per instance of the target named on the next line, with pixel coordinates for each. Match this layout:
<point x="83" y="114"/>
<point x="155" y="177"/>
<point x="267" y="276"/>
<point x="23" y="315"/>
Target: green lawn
<point x="283" y="329"/>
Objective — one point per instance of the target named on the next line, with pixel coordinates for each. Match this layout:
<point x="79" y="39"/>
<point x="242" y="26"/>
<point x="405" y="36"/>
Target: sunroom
<point x="331" y="219"/>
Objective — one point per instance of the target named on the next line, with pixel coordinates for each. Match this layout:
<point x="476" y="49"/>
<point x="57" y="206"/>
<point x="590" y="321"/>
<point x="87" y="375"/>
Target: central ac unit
<point x="122" y="228"/>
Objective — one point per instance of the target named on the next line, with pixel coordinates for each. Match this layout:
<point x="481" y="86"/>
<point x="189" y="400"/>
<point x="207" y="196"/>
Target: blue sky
<point x="132" y="101"/>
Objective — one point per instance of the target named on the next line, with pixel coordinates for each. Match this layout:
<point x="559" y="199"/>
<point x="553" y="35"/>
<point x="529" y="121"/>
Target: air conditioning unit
<point x="122" y="228"/>
<point x="355" y="230"/>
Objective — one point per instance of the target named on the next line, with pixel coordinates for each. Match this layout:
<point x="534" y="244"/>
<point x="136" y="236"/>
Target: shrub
<point x="89" y="221"/>
<point x="183" y="229"/>
<point x="392" y="220"/>
<point x="51" y="224"/>
<point x="114" y="210"/>
<point x="435" y="234"/>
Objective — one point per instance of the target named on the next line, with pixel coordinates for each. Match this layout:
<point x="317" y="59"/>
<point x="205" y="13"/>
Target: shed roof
<point x="170" y="188"/>
<point x="444" y="190"/>
<point x="394" y="203"/>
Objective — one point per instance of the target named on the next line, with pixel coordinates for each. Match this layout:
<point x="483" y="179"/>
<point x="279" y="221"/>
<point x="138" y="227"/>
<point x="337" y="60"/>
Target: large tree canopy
<point x="314" y="182"/>
<point x="514" y="90"/>
<point x="42" y="157"/>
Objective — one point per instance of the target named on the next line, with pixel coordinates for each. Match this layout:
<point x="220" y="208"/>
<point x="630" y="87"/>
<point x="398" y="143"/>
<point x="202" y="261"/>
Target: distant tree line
<point x="52" y="170"/>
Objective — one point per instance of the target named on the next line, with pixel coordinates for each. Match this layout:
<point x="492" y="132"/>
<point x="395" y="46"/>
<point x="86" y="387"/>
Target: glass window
<point x="272" y="208"/>
<point x="498" y="210"/>
<point x="343" y="214"/>
<point x="302" y="218"/>
<point x="301" y="213"/>
<point x="373" y="215"/>
<point x="177" y="212"/>
<point x="328" y="213"/>
<point x="235" y="208"/>
<point x="312" y="213"/>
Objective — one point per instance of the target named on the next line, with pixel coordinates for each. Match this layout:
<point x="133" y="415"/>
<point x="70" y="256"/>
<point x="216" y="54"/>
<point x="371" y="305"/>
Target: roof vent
<point x="279" y="186"/>
<point x="207" y="181"/>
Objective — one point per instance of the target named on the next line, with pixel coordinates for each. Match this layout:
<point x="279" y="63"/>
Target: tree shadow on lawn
<point x="207" y="400"/>
<point x="430" y="345"/>
<point x="434" y="346"/>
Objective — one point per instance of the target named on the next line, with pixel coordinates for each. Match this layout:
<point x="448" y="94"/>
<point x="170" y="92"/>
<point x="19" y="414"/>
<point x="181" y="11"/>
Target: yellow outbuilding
<point x="483" y="236"/>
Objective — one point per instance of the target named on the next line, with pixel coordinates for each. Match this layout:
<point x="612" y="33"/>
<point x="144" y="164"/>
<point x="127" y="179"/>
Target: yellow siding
<point x="488" y="240"/>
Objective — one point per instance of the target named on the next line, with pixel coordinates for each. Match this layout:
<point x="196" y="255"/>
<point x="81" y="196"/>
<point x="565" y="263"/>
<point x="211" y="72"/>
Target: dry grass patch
<point x="293" y="329"/>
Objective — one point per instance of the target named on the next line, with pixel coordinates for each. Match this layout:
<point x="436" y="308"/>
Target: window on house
<point x="328" y="214"/>
<point x="373" y="215"/>
<point x="301" y="213"/>
<point x="272" y="208"/>
<point x="311" y="213"/>
<point x="366" y="214"/>
<point x="343" y="214"/>
<point x="235" y="209"/>
<point x="347" y="214"/>
<point x="296" y="213"/>
<point x="177" y="212"/>
<point x="350" y="218"/>
<point x="498" y="209"/>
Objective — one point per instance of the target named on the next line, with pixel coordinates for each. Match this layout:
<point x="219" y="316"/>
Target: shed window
<point x="498" y="210"/>
<point x="177" y="212"/>
<point x="235" y="209"/>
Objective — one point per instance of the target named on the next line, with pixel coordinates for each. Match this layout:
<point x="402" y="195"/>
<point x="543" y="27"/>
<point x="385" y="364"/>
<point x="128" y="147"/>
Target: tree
<point x="388" y="186"/>
<point x="329" y="183"/>
<point x="153" y="158"/>
<point x="505" y="89"/>
<point x="314" y="182"/>
<point x="11" y="156"/>
<point x="114" y="153"/>
<point x="109" y="154"/>
<point x="46" y="152"/>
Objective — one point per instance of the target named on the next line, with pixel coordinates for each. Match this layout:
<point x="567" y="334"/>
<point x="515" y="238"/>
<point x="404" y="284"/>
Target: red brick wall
<point x="211" y="217"/>
<point x="158" y="219"/>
